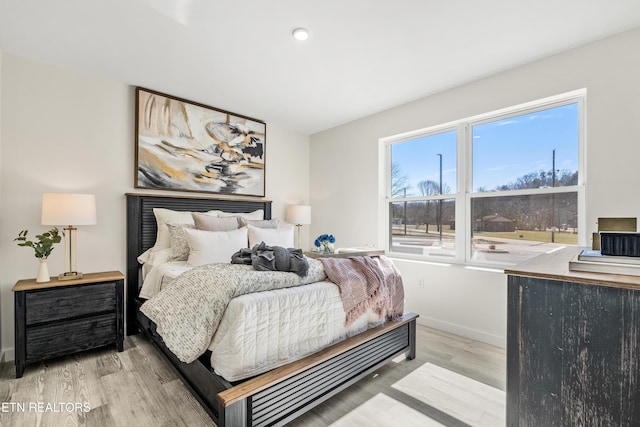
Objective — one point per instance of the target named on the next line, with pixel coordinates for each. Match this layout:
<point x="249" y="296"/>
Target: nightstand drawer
<point x="74" y="301"/>
<point x="70" y="336"/>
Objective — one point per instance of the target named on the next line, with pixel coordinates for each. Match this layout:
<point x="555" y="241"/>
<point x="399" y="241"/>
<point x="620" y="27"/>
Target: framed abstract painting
<point x="186" y="146"/>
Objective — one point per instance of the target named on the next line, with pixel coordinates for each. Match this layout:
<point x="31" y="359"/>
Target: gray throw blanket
<point x="367" y="283"/>
<point x="272" y="258"/>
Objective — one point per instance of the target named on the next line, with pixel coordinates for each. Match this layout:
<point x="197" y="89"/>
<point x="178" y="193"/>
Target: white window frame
<point x="464" y="194"/>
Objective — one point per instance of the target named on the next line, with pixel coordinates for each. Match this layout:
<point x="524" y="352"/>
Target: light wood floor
<point x="453" y="381"/>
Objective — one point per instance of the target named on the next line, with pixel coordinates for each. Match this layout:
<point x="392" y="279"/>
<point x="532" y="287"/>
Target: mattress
<point x="264" y="330"/>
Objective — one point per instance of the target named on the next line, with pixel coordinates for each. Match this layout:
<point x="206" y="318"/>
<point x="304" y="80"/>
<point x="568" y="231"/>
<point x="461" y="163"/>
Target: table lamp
<point x="299" y="215"/>
<point x="69" y="209"/>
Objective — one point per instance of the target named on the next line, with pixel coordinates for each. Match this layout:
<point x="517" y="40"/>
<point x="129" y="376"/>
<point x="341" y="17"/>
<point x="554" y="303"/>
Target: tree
<point x="399" y="187"/>
<point x="431" y="188"/>
<point x="541" y="179"/>
<point x="399" y="182"/>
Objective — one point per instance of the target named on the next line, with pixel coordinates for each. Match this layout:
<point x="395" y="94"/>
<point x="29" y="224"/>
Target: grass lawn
<point x="536" y="236"/>
<point x="412" y="230"/>
<point x="528" y="235"/>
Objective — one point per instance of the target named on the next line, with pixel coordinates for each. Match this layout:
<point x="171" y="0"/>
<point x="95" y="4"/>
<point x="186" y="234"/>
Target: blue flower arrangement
<point x="324" y="243"/>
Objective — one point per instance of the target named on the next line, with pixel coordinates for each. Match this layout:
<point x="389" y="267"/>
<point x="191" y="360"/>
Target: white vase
<point x="43" y="271"/>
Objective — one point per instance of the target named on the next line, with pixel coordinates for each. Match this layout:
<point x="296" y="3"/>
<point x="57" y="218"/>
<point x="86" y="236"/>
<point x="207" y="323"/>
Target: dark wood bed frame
<point x="280" y="395"/>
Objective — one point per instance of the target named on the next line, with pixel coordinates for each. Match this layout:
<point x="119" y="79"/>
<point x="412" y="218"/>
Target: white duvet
<point x="264" y="330"/>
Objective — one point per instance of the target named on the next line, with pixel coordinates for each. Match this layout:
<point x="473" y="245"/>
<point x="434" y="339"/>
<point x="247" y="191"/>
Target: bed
<point x="281" y="394"/>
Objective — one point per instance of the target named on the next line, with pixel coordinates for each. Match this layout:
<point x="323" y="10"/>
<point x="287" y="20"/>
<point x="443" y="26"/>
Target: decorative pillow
<point x="255" y="215"/>
<point x="263" y="223"/>
<point x="271" y="236"/>
<point x="207" y="247"/>
<point x="179" y="245"/>
<point x="213" y="223"/>
<point x="168" y="216"/>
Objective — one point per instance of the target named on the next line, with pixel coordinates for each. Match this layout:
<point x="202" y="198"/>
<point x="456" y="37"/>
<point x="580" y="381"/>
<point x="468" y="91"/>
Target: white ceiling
<point x="364" y="56"/>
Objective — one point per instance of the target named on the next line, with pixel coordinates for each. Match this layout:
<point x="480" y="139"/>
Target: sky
<point x="502" y="150"/>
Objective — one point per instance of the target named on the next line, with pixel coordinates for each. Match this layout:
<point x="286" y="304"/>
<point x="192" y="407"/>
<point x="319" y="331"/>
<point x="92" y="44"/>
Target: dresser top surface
<point x="555" y="266"/>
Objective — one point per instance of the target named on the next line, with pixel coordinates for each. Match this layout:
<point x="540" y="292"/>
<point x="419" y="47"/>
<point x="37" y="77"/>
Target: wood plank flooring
<point x="453" y="381"/>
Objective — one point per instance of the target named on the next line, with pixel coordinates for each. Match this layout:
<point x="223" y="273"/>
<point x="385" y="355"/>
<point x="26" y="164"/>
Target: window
<point x="494" y="189"/>
<point x="424" y="178"/>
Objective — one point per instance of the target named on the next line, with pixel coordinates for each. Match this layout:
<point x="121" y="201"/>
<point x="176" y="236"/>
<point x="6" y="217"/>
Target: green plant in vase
<point x="42" y="246"/>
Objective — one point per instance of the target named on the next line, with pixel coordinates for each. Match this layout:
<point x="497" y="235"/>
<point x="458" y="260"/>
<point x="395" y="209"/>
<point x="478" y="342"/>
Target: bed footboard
<point x="283" y="394"/>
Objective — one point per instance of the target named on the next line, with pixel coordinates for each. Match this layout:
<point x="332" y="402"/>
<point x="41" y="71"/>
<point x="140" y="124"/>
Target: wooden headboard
<point x="142" y="229"/>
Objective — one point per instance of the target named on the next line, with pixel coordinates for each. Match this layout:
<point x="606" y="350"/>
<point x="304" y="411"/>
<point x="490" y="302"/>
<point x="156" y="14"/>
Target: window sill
<point x="453" y="264"/>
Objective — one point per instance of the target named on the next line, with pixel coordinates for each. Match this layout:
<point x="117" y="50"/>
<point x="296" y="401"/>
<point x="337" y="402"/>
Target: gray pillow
<point x="212" y="223"/>
<point x="263" y="223"/>
<point x="178" y="240"/>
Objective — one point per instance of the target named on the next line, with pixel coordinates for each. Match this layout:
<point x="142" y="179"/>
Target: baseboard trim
<point x="463" y="331"/>
<point x="8" y="355"/>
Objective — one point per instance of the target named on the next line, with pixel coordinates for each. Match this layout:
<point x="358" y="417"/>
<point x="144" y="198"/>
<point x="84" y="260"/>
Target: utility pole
<point x="553" y="198"/>
<point x="440" y="201"/>
<point x="405" y="210"/>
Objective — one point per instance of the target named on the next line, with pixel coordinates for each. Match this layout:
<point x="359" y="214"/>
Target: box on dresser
<point x="620" y="244"/>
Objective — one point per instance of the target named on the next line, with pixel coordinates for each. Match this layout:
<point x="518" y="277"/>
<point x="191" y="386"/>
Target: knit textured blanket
<point x="367" y="283"/>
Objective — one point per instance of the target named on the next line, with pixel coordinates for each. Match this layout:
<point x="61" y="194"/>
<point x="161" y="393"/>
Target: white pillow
<point x="167" y="216"/>
<point x="144" y="257"/>
<point x="152" y="258"/>
<point x="271" y="236"/>
<point x="207" y="247"/>
<point x="255" y="215"/>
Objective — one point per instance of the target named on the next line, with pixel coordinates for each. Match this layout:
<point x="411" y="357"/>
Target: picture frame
<point x="182" y="145"/>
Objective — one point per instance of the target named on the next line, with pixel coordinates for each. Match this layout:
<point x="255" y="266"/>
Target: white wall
<point x="64" y="131"/>
<point x="287" y="172"/>
<point x="345" y="172"/>
<point x="2" y="237"/>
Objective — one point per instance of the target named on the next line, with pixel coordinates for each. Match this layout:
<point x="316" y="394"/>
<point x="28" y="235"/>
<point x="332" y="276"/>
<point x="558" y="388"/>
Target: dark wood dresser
<point x="57" y="318"/>
<point x="573" y="345"/>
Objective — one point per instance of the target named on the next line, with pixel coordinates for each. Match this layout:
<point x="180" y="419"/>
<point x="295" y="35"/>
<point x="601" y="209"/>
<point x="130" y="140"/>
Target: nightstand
<point x="57" y="318"/>
<point x="346" y="253"/>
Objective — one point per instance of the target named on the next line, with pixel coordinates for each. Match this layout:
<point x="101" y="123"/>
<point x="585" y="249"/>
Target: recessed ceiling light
<point x="301" y="34"/>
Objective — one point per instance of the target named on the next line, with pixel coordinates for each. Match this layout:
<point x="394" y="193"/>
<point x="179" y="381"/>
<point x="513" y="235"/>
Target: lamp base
<point x="70" y="275"/>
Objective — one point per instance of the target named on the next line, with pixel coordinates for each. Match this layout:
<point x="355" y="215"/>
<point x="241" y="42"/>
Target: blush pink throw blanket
<point x="367" y="283"/>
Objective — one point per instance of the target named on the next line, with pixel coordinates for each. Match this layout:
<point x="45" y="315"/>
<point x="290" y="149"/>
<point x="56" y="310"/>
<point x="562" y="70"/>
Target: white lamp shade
<point x="68" y="209"/>
<point x="299" y="214"/>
